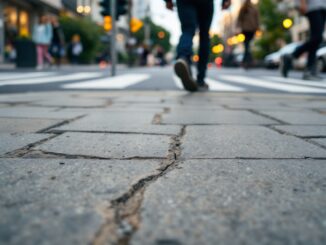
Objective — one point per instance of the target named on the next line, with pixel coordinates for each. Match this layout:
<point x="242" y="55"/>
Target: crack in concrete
<point x="50" y="155"/>
<point x="304" y="138"/>
<point x="25" y="150"/>
<point x="45" y="130"/>
<point x="126" y="208"/>
<point x="258" y="113"/>
<point x="54" y="131"/>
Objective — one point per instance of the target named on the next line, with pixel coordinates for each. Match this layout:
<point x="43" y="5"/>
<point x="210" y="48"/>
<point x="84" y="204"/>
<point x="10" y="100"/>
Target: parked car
<point x="273" y="60"/>
<point x="321" y="59"/>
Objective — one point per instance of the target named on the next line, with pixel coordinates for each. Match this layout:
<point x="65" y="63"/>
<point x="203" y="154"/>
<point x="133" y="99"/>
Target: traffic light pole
<point x="113" y="37"/>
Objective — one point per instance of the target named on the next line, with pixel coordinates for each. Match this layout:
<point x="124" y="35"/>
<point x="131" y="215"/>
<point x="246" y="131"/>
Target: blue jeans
<point x="193" y="14"/>
<point x="317" y="21"/>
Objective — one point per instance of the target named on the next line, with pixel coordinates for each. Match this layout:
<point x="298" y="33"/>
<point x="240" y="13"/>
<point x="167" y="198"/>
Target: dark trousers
<point x="193" y="14"/>
<point x="247" y="57"/>
<point x="317" y="24"/>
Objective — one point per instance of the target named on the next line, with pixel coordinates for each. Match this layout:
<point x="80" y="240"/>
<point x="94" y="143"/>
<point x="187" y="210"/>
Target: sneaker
<point x="182" y="69"/>
<point x="286" y="65"/>
<point x="203" y="87"/>
<point x="309" y="76"/>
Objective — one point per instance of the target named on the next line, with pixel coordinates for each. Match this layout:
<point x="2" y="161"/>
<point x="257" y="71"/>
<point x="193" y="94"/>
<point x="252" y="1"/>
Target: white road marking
<point x="11" y="76"/>
<point x="271" y="85"/>
<point x="219" y="86"/>
<point x="213" y="85"/>
<point x="52" y="79"/>
<point x="118" y="82"/>
<point x="321" y="84"/>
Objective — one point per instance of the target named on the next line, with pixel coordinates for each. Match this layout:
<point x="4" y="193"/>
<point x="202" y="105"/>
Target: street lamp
<point x="84" y="7"/>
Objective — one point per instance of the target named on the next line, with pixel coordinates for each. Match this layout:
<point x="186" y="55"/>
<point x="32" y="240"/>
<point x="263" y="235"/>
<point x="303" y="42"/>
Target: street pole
<point x="113" y="38"/>
<point x="147" y="25"/>
<point x="2" y="33"/>
<point x="129" y="44"/>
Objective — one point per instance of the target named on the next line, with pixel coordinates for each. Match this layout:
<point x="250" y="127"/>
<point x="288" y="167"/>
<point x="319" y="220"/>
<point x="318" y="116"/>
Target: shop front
<point x="17" y="19"/>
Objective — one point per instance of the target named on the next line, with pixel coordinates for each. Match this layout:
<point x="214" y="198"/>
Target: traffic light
<point x="107" y="23"/>
<point x="122" y="7"/>
<point x="106" y="7"/>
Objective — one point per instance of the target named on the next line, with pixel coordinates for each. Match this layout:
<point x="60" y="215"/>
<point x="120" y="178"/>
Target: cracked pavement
<point x="162" y="168"/>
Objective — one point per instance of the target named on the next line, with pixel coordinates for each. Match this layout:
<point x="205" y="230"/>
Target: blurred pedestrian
<point x="315" y="10"/>
<point x="57" y="48"/>
<point x="193" y="14"/>
<point x="144" y="55"/>
<point x="75" y="49"/>
<point x="160" y="56"/>
<point x="248" y="22"/>
<point x="42" y="36"/>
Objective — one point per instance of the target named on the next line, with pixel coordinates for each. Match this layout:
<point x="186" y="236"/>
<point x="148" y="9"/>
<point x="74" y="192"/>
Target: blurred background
<point x="147" y="33"/>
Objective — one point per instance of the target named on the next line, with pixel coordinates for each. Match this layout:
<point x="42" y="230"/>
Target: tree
<point x="273" y="31"/>
<point x="90" y="34"/>
<point x="159" y="35"/>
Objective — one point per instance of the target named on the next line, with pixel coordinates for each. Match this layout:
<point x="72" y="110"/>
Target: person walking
<point x="58" y="42"/>
<point x="42" y="36"/>
<point x="315" y="10"/>
<point x="248" y="22"/>
<point x="193" y="14"/>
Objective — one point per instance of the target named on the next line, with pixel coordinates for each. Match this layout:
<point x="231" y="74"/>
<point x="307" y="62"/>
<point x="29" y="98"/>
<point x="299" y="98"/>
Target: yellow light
<point x="87" y="9"/>
<point x="107" y="23"/>
<point x="234" y="40"/>
<point x="161" y="35"/>
<point x="230" y="42"/>
<point x="287" y="23"/>
<point x="259" y="33"/>
<point x="80" y="9"/>
<point x="241" y="38"/>
<point x="195" y="58"/>
<point x="136" y="24"/>
<point x="218" y="49"/>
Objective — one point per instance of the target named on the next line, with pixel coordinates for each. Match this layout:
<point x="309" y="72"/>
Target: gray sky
<point x="169" y="19"/>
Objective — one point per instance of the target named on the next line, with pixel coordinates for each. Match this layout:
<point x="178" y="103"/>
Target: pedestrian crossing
<point x="223" y="83"/>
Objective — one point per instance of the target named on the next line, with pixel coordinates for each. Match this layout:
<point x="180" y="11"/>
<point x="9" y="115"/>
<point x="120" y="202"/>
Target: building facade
<point x="17" y="18"/>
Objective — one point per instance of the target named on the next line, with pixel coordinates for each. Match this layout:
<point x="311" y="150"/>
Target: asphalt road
<point x="154" y="78"/>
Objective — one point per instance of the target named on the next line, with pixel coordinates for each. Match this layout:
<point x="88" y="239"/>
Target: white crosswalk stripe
<point x="118" y="82"/>
<point x="213" y="85"/>
<point x="264" y="83"/>
<point x="11" y="76"/>
<point x="52" y="79"/>
<point x="321" y="84"/>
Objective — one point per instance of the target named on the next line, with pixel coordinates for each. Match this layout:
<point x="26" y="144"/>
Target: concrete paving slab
<point x="244" y="142"/>
<point x="119" y="122"/>
<point x="293" y="117"/>
<point x="119" y="146"/>
<point x="321" y="141"/>
<point x="304" y="131"/>
<point x="36" y="112"/>
<point x="236" y="202"/>
<point x="12" y="142"/>
<point x="61" y="201"/>
<point x="185" y="117"/>
<point x="312" y="104"/>
<point x="72" y="102"/>
<point x="17" y="125"/>
<point x="139" y="99"/>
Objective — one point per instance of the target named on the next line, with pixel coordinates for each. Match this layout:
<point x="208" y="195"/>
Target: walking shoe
<point x="202" y="87"/>
<point x="308" y="75"/>
<point x="286" y="65"/>
<point x="182" y="69"/>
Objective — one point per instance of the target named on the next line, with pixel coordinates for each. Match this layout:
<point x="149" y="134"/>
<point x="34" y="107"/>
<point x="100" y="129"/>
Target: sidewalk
<point x="162" y="168"/>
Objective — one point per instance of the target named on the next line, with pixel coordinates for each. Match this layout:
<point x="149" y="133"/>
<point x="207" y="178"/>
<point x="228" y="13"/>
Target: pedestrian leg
<point x="205" y="12"/>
